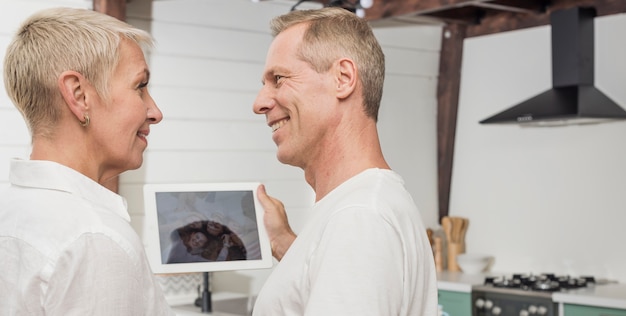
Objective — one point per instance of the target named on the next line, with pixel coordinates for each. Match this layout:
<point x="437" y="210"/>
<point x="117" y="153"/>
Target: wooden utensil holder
<point x="453" y="250"/>
<point x="438" y="253"/>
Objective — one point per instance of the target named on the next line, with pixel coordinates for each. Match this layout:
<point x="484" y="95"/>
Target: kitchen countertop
<point x="223" y="304"/>
<point x="612" y="295"/>
<point x="605" y="295"/>
<point x="458" y="281"/>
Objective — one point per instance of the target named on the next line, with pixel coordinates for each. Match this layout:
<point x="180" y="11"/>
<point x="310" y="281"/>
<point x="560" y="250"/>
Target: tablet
<point x="205" y="227"/>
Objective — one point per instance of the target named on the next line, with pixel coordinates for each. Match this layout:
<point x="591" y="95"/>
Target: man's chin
<point x="284" y="159"/>
<point x="287" y="161"/>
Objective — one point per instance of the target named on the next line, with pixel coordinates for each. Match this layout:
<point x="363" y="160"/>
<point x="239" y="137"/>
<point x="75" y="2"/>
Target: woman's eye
<point x="142" y="87"/>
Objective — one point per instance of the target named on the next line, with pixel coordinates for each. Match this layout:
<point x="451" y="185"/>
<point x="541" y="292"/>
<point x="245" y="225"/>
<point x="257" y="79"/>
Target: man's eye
<point x="278" y="77"/>
<point x="142" y="85"/>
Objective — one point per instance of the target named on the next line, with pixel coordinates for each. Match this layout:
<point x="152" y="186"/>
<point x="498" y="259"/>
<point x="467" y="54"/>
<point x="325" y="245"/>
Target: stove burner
<point x="523" y="294"/>
<point x="546" y="282"/>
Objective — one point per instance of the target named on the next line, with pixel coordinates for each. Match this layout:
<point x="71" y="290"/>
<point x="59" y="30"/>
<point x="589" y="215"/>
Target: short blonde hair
<point x="333" y="33"/>
<point x="55" y="40"/>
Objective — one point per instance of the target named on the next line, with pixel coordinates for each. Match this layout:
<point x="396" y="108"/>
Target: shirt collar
<point x="50" y="175"/>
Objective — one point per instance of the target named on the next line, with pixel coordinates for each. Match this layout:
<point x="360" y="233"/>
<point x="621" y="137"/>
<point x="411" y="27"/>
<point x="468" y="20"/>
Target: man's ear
<point x="72" y="87"/>
<point x="346" y="78"/>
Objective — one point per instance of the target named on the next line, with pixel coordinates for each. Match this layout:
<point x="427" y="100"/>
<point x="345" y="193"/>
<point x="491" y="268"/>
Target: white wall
<point x="206" y="73"/>
<point x="14" y="136"/>
<point x="540" y="199"/>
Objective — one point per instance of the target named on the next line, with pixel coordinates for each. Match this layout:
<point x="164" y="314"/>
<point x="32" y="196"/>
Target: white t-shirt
<point x="67" y="248"/>
<point x="363" y="252"/>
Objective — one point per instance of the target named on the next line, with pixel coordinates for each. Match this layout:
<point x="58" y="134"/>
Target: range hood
<point x="573" y="98"/>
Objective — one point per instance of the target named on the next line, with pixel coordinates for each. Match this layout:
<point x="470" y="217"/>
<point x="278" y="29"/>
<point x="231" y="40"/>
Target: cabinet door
<point x="456" y="303"/>
<point x="580" y="310"/>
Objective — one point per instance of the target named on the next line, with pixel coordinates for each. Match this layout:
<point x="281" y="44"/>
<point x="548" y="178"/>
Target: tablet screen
<point x="205" y="227"/>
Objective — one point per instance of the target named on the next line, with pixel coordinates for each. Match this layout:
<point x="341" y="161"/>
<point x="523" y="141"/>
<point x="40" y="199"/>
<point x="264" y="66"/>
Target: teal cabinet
<point x="580" y="310"/>
<point x="456" y="303"/>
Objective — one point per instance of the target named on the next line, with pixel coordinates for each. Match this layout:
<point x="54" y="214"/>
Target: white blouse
<point x="67" y="248"/>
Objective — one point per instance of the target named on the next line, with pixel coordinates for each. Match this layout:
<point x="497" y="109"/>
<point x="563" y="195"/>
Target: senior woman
<point x="80" y="79"/>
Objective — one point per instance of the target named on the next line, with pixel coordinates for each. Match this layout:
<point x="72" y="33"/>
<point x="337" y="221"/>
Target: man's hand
<point x="276" y="223"/>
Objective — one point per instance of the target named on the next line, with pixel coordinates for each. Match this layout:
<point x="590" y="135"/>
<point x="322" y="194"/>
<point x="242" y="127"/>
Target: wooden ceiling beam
<point x="486" y="16"/>
<point x="509" y="21"/>
<point x="449" y="81"/>
<point x="382" y="9"/>
<point x="114" y="8"/>
<point x="504" y="8"/>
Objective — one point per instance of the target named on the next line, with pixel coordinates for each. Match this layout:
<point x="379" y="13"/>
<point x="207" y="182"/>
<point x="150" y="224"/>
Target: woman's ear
<point x="72" y="87"/>
<point x="346" y="78"/>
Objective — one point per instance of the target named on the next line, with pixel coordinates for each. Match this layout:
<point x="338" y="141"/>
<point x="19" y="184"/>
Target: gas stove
<point x="523" y="295"/>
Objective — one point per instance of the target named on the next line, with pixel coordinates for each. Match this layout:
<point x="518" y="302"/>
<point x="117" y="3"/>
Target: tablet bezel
<point x="153" y="236"/>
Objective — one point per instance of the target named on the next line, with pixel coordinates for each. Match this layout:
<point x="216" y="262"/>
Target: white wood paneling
<point x="14" y="129"/>
<point x="408" y="113"/>
<point x="179" y="40"/>
<point x="5" y="101"/>
<point x="211" y="135"/>
<point x="181" y="103"/>
<point x="206" y="69"/>
<point x="411" y="62"/>
<point x="6" y="105"/>
<point x="407" y="123"/>
<point x="205" y="73"/>
<point x="14" y="135"/>
<point x="5" y="38"/>
<point x="14" y="12"/>
<point x="213" y="166"/>
<point x="205" y="87"/>
<point x="402" y="34"/>
<point x="225" y="14"/>
<point x="409" y="91"/>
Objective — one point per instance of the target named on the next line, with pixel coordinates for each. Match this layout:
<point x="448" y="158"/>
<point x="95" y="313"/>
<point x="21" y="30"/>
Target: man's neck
<point x="345" y="160"/>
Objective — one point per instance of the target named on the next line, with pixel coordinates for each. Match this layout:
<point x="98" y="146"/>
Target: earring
<point x="86" y="122"/>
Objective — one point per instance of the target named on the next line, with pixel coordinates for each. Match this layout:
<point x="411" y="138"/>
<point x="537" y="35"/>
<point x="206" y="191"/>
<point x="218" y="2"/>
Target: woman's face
<point x="121" y="123"/>
<point x="197" y="240"/>
<point x="214" y="228"/>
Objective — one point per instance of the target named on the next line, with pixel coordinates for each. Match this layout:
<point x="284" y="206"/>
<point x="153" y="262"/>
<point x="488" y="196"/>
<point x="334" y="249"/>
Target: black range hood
<point x="573" y="98"/>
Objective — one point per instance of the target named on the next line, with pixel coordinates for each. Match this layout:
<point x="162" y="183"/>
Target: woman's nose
<point x="154" y="113"/>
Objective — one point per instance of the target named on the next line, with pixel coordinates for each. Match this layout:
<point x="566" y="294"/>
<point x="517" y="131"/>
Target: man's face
<point x="296" y="100"/>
